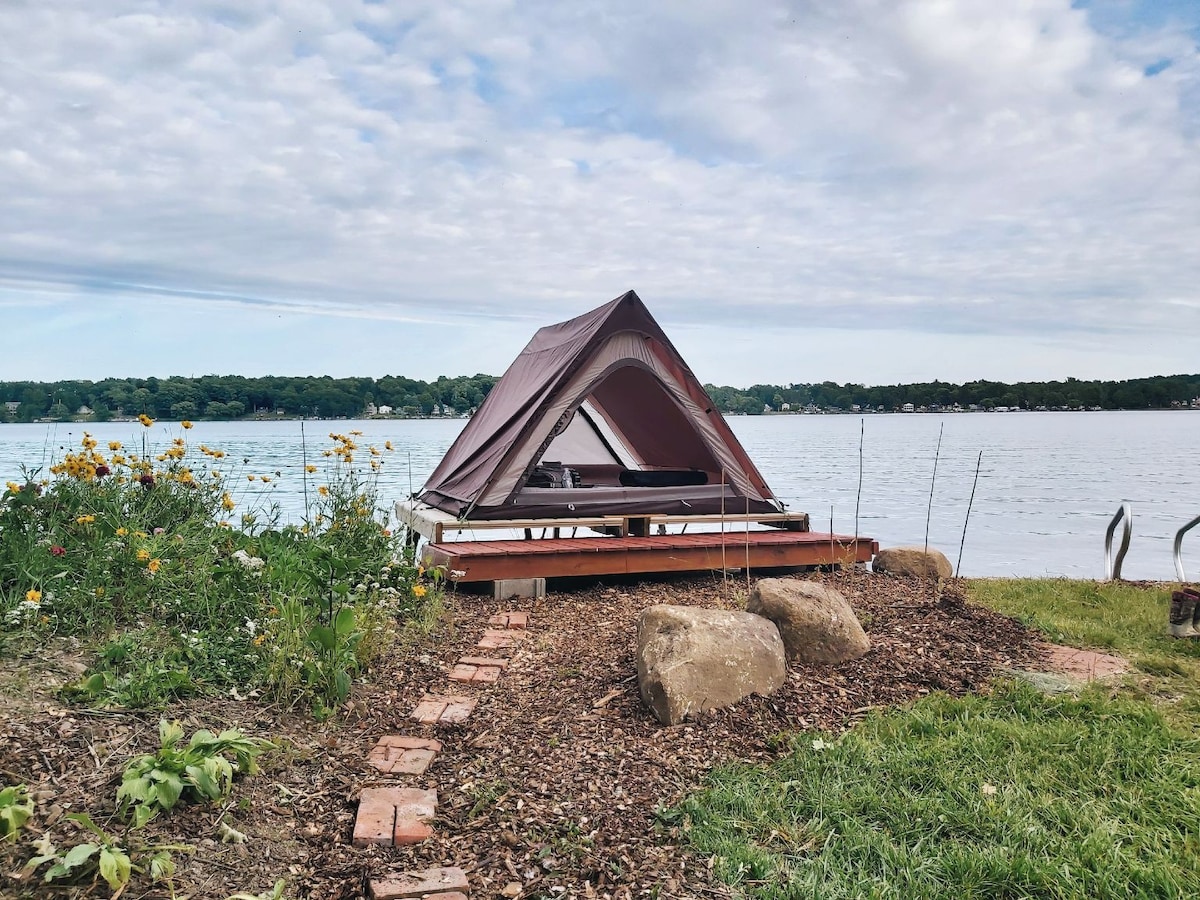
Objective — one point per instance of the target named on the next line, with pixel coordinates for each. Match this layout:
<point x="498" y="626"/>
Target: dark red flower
<point x="146" y="481"/>
<point x="58" y="551"/>
<point x="101" y="471"/>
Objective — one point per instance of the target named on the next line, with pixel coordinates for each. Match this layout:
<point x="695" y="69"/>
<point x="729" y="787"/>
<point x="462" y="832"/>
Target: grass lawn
<point x="1014" y="794"/>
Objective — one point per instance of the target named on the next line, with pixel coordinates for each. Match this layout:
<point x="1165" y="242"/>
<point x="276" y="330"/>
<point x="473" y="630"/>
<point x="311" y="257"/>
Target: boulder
<point x="816" y="623"/>
<point x="912" y="561"/>
<point x="691" y="660"/>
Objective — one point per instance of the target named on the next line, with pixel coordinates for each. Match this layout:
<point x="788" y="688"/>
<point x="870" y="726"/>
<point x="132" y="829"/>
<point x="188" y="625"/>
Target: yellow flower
<point x="356" y="433"/>
<point x="84" y="520"/>
<point x="121" y="532"/>
<point x="143" y="555"/>
<point x="186" y="424"/>
<point x="14" y="487"/>
<point x="419" y="590"/>
<point x="99" y="592"/>
<point x="153" y="565"/>
<point x="114" y="446"/>
<point x="265" y="479"/>
<point x="145" y="420"/>
<point x="223" y="524"/>
<point x="388" y="445"/>
<point x="227" y="502"/>
<point x="250" y="477"/>
<point x="218" y="454"/>
<point x="258" y="641"/>
<point x="32" y="596"/>
<point x="139" y="534"/>
<point x="323" y="491"/>
<point x="310" y="469"/>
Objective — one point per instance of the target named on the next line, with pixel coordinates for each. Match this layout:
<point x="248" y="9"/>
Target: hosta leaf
<point x="115" y="867"/>
<point x="162" y="865"/>
<point x="143" y="814"/>
<point x="77" y="856"/>
<point x="203" y="782"/>
<point x="169" y="733"/>
<point x="167" y="791"/>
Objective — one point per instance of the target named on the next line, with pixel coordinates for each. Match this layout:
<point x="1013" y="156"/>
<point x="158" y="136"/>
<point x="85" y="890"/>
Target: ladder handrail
<point x="1112" y="570"/>
<point x="1179" y="547"/>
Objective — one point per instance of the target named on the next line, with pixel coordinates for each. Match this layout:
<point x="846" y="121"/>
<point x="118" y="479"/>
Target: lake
<point x="1048" y="485"/>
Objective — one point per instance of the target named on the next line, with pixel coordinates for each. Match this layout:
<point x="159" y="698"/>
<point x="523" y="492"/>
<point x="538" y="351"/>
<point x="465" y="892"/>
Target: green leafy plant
<point x="103" y="854"/>
<point x="16" y="808"/>
<point x="203" y="770"/>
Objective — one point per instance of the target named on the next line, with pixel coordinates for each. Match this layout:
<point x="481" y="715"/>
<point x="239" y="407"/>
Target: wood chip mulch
<point x="554" y="787"/>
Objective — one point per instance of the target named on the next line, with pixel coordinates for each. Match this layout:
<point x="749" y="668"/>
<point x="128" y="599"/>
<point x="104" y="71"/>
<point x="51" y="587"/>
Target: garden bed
<point x="560" y="781"/>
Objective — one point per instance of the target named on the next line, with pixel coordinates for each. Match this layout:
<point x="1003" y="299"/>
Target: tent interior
<point x="627" y="442"/>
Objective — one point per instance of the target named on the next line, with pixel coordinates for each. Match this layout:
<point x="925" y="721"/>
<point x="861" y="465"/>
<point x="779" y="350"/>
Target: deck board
<point x="696" y="552"/>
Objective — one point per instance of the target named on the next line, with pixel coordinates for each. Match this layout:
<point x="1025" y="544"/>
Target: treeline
<point x="1158" y="392"/>
<point x="233" y="397"/>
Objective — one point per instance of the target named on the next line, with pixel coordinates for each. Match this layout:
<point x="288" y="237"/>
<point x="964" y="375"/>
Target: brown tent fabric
<point x="607" y="396"/>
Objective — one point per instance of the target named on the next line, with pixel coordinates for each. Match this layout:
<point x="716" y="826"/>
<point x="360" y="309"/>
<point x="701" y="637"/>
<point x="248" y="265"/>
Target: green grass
<point x="1012" y="795"/>
<point x="1119" y="616"/>
<point x="1127" y="619"/>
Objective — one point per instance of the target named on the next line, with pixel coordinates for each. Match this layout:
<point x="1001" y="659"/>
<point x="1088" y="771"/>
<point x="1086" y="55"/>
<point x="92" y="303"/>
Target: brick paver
<point x="518" y="620"/>
<point x="500" y="639"/>
<point x="484" y="661"/>
<point x="469" y="674"/>
<point x="442" y="882"/>
<point x="397" y="754"/>
<point x="386" y="814"/>
<point x="443" y="710"/>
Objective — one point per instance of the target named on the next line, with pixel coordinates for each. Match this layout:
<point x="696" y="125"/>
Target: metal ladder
<point x="1112" y="567"/>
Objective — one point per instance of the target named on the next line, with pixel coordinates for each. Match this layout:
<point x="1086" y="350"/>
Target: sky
<point x="875" y="191"/>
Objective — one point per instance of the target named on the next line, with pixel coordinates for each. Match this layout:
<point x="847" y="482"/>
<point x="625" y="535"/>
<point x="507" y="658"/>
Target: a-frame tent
<point x="598" y="416"/>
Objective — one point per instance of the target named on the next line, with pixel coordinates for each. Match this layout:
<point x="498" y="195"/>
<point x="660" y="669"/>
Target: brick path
<point x="396" y="815"/>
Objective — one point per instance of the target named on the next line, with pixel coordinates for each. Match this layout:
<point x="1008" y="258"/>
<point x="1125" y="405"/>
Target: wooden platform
<point x="698" y="552"/>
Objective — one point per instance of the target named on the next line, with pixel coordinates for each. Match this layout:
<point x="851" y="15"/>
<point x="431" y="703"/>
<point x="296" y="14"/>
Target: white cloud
<point x="964" y="169"/>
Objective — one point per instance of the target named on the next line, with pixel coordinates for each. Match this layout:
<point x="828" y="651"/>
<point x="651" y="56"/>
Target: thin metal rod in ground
<point x="747" y="547"/>
<point x="304" y="473"/>
<point x="933" y="581"/>
<point x="978" y="463"/>
<point x="858" y="496"/>
<point x="933" y="481"/>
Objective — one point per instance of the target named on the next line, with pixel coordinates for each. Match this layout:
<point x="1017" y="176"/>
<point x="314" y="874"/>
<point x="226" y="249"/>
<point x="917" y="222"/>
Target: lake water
<point x="1049" y="482"/>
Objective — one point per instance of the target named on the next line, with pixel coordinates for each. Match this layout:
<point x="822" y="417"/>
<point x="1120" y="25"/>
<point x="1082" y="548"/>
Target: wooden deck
<point x="697" y="552"/>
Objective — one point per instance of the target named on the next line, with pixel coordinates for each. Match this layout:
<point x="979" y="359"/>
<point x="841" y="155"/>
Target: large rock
<point x="816" y="623"/>
<point x="912" y="561"/>
<point x="690" y="660"/>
